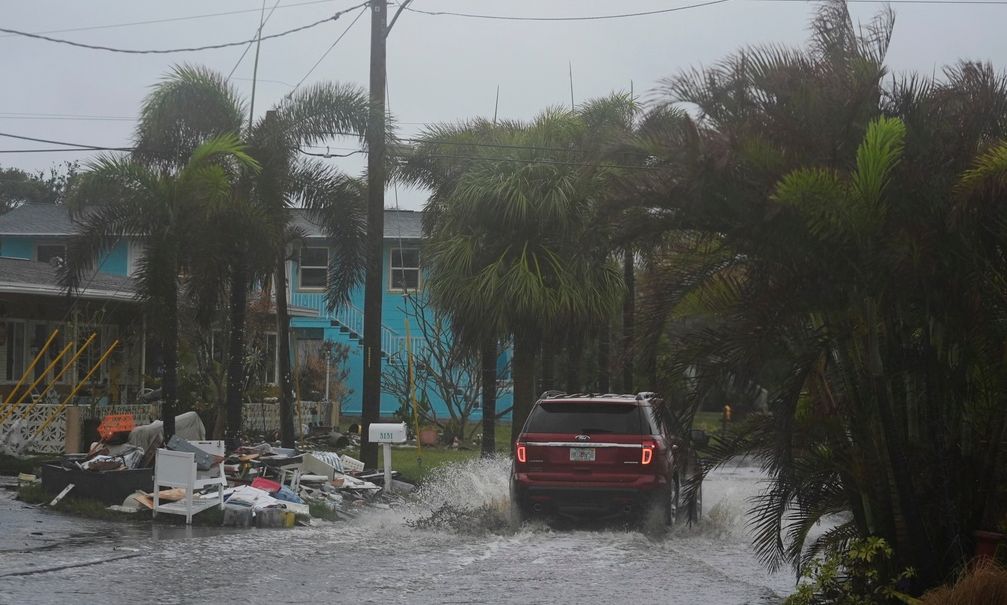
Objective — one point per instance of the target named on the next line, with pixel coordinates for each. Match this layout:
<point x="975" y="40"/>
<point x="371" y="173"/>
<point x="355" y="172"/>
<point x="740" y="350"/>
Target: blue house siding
<point x="345" y="326"/>
<point x="17" y="247"/>
<point x="114" y="262"/>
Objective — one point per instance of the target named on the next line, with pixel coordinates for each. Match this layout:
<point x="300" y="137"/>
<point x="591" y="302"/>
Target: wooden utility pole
<point x="375" y="233"/>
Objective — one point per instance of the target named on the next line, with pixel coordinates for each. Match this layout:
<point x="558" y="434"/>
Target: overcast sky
<point x="440" y="68"/>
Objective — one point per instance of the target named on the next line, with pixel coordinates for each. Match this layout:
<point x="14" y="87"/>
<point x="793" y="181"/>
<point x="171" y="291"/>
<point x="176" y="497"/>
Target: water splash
<point x="470" y="497"/>
<point x="473" y="497"/>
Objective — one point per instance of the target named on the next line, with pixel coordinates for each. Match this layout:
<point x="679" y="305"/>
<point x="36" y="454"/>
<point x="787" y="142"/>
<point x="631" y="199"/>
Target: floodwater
<point x="463" y="554"/>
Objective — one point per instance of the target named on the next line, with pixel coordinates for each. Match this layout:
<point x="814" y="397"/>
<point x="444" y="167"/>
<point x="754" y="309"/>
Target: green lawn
<point x="708" y="421"/>
<point x="415" y="466"/>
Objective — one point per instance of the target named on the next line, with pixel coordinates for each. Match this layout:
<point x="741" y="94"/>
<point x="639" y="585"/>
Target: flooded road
<point x="395" y="556"/>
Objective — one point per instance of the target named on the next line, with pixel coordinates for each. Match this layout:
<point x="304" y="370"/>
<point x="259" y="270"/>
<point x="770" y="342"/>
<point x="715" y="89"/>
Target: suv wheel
<point x="518" y="510"/>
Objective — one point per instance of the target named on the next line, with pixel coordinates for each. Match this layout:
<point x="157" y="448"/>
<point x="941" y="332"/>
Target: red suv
<point x="604" y="455"/>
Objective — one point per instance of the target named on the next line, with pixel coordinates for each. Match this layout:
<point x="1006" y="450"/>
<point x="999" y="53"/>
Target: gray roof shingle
<point x="399" y="224"/>
<point x="37" y="219"/>
<point x="32" y="277"/>
<point x="52" y="220"/>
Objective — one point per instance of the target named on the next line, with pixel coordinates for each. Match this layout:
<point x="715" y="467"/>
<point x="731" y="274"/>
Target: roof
<point x="52" y="220"/>
<point x="399" y="224"/>
<point x="37" y="219"/>
<point x="22" y="276"/>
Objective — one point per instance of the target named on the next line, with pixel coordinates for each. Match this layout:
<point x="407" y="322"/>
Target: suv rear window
<point x="587" y="418"/>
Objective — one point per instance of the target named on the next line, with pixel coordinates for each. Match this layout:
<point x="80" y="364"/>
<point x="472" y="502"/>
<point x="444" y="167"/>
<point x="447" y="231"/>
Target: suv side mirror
<point x="699" y="438"/>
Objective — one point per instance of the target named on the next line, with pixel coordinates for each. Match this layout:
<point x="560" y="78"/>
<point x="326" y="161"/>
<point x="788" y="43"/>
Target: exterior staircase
<point x="350" y="322"/>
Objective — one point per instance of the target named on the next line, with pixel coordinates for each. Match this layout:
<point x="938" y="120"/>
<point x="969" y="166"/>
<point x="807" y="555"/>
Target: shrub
<point x="854" y="576"/>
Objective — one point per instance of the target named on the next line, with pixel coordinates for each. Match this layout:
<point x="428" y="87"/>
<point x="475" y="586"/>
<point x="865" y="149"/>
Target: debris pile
<point x="259" y="485"/>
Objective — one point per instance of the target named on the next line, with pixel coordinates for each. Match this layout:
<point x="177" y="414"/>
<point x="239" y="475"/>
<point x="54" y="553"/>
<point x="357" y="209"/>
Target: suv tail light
<point x="522" y="452"/>
<point x="647" y="453"/>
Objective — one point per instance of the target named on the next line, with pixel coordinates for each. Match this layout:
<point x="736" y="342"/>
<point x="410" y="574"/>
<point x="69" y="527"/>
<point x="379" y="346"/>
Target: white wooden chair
<point x="178" y="470"/>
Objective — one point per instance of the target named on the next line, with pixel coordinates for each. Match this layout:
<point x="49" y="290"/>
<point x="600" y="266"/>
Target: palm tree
<point x="194" y="103"/>
<point x="505" y="224"/>
<point x="336" y="201"/>
<point x="844" y="248"/>
<point x="168" y="211"/>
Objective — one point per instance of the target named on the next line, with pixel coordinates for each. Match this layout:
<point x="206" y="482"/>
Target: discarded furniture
<point x="178" y="469"/>
<point x="110" y="487"/>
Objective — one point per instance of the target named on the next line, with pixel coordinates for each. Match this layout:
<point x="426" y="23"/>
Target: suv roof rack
<point x="555" y="394"/>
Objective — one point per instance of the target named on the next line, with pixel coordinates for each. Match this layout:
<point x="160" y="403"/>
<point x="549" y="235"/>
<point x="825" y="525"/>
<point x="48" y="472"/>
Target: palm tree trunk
<point x="236" y="353"/>
<point x="574" y="350"/>
<point x="604" y="377"/>
<point x="524" y="382"/>
<point x="906" y="499"/>
<point x="169" y="385"/>
<point x="628" y="321"/>
<point x="286" y="402"/>
<point x="548" y="378"/>
<point x="488" y="356"/>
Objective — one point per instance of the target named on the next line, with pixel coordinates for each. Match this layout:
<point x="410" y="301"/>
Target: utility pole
<point x="375" y="233"/>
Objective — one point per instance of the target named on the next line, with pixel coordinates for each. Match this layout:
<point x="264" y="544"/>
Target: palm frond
<point x="190" y="105"/>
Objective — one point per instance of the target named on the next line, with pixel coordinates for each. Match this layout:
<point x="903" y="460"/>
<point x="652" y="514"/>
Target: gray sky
<point x="440" y="68"/>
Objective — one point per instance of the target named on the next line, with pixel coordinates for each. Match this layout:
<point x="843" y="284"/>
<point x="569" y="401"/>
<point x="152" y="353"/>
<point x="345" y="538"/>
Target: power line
<point x="52" y="142"/>
<point x="57" y="116"/>
<point x="326" y="53"/>
<point x="61" y="149"/>
<point x="258" y="32"/>
<point x="992" y="2"/>
<point x="168" y="19"/>
<point x="179" y="50"/>
<point x="580" y="18"/>
<point x="328" y="154"/>
<point x="538" y="161"/>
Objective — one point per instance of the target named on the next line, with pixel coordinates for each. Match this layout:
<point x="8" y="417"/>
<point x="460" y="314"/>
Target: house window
<point x="90" y="356"/>
<point x="12" y="350"/>
<point x="37" y="335"/>
<point x="405" y="269"/>
<point x="44" y="253"/>
<point x="314" y="268"/>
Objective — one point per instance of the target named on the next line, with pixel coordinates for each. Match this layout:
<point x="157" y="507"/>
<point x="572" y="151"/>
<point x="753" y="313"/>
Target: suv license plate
<point x="582" y="454"/>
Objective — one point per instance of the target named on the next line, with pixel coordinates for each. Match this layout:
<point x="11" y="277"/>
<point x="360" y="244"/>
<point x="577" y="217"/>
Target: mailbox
<point x="387" y="433"/>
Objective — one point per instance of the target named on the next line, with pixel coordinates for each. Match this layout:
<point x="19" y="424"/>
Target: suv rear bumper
<point x="593" y="500"/>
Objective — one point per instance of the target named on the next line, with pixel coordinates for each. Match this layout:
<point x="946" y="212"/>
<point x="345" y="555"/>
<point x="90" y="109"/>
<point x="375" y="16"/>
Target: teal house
<point x="33" y="238"/>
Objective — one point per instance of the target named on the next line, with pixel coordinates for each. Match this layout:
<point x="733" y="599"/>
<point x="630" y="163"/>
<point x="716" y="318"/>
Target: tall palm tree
<point x="336" y="201"/>
<point x="194" y="103"/>
<point x="506" y="224"/>
<point x="846" y="256"/>
<point x="168" y="210"/>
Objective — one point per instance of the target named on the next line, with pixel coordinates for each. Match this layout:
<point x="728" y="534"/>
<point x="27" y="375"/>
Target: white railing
<point x="348" y="316"/>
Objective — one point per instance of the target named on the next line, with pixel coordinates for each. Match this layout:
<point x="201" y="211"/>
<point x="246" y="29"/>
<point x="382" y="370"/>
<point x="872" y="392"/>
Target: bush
<point x="854" y="576"/>
<point x="983" y="582"/>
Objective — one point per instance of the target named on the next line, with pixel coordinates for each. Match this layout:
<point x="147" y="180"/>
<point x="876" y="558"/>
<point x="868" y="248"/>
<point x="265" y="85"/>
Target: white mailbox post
<point x="386" y="435"/>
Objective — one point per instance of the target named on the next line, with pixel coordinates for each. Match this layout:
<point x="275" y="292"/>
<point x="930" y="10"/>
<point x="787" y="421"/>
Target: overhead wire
<point x="74" y="146"/>
<point x="169" y="19"/>
<point x="131" y="51"/>
<point x="258" y="32"/>
<point x="57" y="116"/>
<point x="326" y="53"/>
<point x="568" y="18"/>
<point x="68" y="144"/>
